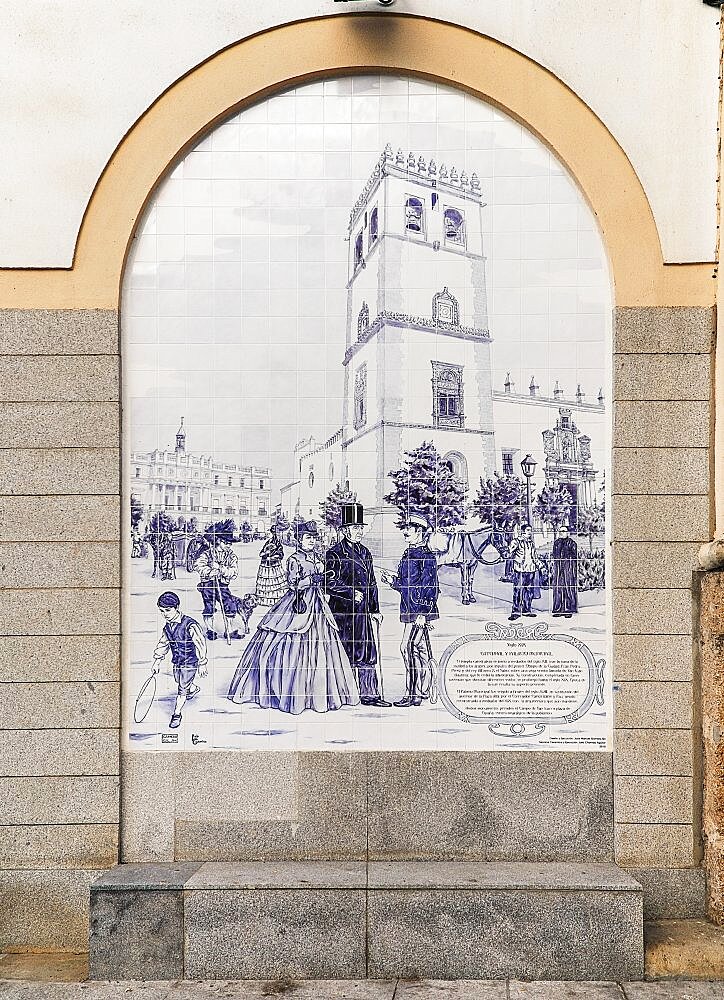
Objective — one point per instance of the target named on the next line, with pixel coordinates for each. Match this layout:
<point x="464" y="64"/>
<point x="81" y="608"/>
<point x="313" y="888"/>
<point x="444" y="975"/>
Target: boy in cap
<point x="416" y="581"/>
<point x="184" y="637"/>
<point x="217" y="566"/>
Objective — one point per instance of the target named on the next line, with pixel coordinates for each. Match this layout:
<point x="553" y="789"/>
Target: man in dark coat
<point x="351" y="589"/>
<point x="416" y="582"/>
<point x="565" y="575"/>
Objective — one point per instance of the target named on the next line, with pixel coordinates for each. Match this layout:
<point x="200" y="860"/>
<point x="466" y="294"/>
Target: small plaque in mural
<point x="520" y="679"/>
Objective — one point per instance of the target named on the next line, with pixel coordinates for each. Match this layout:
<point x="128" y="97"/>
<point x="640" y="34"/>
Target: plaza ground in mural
<point x="212" y="722"/>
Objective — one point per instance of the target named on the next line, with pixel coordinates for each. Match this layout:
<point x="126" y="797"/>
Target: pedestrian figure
<point x="184" y="638"/>
<point x="351" y="589"/>
<point x="416" y="581"/>
<point x="166" y="556"/>
<point x="565" y="574"/>
<point x="217" y="566"/>
<point x="296" y="660"/>
<point x="271" y="580"/>
<point x="526" y="563"/>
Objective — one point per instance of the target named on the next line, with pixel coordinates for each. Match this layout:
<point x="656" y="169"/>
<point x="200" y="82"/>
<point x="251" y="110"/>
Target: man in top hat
<point x="351" y="589"/>
<point x="416" y="581"/>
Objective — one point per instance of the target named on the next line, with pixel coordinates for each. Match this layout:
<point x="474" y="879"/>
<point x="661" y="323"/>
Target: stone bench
<point x="325" y="920"/>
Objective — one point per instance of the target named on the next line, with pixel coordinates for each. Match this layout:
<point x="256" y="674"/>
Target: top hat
<point x="417" y="521"/>
<point x="352" y="514"/>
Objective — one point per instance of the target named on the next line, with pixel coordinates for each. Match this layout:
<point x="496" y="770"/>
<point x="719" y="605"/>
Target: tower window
<point x="363" y="321"/>
<point x="138" y="473"/>
<point x="373" y="226"/>
<point x="358" y="250"/>
<point x="454" y="227"/>
<point x="414" y="217"/>
<point x="229" y="480"/>
<point x="360" y="397"/>
<point x="447" y="395"/>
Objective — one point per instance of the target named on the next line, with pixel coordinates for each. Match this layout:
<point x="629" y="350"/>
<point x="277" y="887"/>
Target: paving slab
<point x="564" y="991"/>
<point x="444" y="989"/>
<point x="673" y="991"/>
<point x="249" y="990"/>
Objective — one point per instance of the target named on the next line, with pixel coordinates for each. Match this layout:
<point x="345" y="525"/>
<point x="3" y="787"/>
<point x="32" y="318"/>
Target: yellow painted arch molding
<point x="298" y="52"/>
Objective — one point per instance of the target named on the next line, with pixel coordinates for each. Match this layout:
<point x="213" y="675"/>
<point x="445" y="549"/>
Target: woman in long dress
<point x="271" y="581"/>
<point x="296" y="660"/>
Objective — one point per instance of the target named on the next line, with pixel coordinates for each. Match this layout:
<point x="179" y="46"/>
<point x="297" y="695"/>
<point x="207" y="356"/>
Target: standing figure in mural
<point x="166" y="556"/>
<point x="296" y="660"/>
<point x="526" y="565"/>
<point x="565" y="574"/>
<point x="271" y="580"/>
<point x="416" y="581"/>
<point x="184" y="637"/>
<point x="351" y="589"/>
<point x="217" y="566"/>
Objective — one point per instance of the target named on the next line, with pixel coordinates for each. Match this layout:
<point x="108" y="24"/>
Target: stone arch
<point x="329" y="46"/>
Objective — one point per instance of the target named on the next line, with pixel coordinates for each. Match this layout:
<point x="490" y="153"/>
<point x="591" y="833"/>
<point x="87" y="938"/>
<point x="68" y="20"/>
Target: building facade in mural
<point x="189" y="484"/>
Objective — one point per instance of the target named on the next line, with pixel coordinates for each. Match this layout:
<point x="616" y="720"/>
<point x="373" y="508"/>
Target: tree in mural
<point x="592" y="522"/>
<point x="500" y="501"/>
<point x="331" y="508"/>
<point x="426" y="485"/>
<point x="553" y="506"/>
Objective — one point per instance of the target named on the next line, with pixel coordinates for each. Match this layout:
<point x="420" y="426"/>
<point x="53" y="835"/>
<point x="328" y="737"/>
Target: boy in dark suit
<point x="416" y="581"/>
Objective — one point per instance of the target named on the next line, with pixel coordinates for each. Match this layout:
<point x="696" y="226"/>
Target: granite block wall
<point x="60" y="782"/>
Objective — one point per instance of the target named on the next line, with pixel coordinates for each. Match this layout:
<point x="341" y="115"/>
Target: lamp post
<point x="528" y="466"/>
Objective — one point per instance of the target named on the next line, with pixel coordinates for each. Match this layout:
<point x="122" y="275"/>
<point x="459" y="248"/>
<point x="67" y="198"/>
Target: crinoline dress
<point x="296" y="660"/>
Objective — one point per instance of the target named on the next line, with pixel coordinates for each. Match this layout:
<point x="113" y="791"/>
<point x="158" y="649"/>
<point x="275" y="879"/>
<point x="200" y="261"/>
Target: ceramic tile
<point x="272" y="363"/>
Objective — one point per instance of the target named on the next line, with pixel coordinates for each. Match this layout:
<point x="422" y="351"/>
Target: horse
<point x="465" y="549"/>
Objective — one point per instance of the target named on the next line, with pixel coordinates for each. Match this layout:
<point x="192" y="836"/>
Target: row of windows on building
<point x="207" y="478"/>
<point x="453" y="225"/>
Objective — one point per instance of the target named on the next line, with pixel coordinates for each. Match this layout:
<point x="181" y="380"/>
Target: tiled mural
<point x="367" y="329"/>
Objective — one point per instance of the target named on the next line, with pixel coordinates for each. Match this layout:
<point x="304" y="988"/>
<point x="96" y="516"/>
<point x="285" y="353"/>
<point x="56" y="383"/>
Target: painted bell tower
<point x="417" y="363"/>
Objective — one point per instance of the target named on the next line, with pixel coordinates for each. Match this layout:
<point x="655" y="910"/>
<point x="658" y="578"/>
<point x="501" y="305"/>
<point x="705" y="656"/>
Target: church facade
<point x="418" y="362"/>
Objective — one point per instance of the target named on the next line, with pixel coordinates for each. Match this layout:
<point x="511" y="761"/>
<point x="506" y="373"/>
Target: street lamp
<point x="528" y="466"/>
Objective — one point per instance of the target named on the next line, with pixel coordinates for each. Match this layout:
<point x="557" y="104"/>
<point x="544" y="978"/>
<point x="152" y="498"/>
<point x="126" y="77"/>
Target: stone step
<point x="325" y="920"/>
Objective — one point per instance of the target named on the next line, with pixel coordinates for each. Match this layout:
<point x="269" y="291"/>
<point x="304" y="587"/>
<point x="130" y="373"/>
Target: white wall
<point x="75" y="76"/>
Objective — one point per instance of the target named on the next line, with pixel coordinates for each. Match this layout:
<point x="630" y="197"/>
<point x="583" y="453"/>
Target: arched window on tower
<point x="447" y="395"/>
<point x="445" y="308"/>
<point x="374" y="226"/>
<point x="454" y="227"/>
<point x="358" y="250"/>
<point x="363" y="321"/>
<point x="360" y="397"/>
<point x="414" y="215"/>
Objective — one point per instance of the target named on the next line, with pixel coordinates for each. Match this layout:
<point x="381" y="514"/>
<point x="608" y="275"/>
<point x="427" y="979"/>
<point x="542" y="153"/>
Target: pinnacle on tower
<point x="453" y="175"/>
<point x="388" y="154"/>
<point x="508" y="385"/>
<point x="400" y="158"/>
<point x="432" y="168"/>
<point x="601" y="397"/>
<point x="580" y="394"/>
<point x="557" y="391"/>
<point x="475" y="182"/>
<point x="533" y="387"/>
<point x="410" y="160"/>
<point x="181" y="438"/>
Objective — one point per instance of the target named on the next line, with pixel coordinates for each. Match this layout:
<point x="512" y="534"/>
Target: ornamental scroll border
<point x="518" y="726"/>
